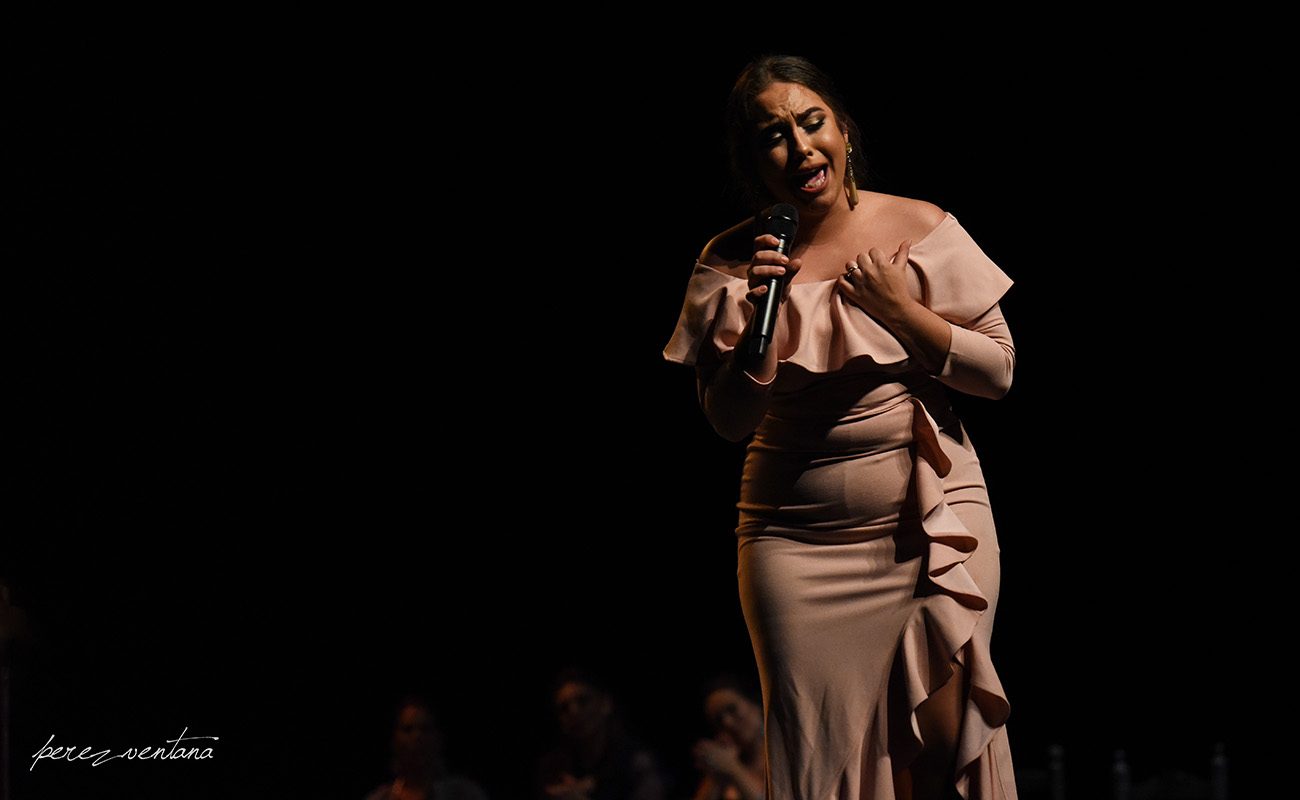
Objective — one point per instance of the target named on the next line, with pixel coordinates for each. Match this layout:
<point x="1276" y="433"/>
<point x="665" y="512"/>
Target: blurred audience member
<point x="733" y="760"/>
<point x="419" y="772"/>
<point x="595" y="759"/>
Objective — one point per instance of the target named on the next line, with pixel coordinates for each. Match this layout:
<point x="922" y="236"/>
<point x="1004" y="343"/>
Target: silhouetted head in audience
<point x="596" y="758"/>
<point x="584" y="706"/>
<point x="417" y="740"/>
<point x="733" y="713"/>
<point x="419" y="771"/>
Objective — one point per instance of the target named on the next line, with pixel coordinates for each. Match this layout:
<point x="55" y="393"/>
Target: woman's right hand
<point x="767" y="264"/>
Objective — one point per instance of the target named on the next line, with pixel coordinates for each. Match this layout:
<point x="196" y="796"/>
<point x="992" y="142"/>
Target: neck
<point x="421" y="774"/>
<point x="826" y="225"/>
<point x="415" y="778"/>
<point x="592" y="748"/>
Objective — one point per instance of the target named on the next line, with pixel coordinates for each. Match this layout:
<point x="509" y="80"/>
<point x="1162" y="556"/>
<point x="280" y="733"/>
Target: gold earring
<point x="850" y="184"/>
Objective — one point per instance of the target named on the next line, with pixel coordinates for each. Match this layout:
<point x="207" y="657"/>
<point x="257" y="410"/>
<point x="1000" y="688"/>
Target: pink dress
<point x="867" y="558"/>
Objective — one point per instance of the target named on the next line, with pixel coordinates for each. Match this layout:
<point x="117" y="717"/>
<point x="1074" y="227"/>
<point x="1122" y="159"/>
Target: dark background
<point x="338" y="374"/>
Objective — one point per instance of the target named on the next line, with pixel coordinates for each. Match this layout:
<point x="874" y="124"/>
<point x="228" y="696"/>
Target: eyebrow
<point x="807" y="112"/>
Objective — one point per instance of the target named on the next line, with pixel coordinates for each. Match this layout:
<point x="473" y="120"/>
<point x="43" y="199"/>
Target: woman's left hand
<point x="876" y="284"/>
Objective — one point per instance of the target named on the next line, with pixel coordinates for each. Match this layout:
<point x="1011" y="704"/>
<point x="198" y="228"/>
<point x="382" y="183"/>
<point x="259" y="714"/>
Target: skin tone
<point x="735" y="755"/>
<point x="417" y="746"/>
<point x="583" y="713"/>
<point x="798" y="133"/>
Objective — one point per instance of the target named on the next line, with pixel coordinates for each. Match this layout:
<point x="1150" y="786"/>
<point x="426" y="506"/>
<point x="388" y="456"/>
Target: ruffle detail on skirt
<point x="943" y="631"/>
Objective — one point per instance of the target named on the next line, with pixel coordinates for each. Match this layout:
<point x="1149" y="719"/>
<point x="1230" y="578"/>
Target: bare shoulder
<point x="907" y="217"/>
<point x="924" y="215"/>
<point x="730" y="249"/>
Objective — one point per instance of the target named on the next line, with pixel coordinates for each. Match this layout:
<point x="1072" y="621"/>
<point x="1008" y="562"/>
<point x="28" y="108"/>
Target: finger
<point x="794" y="266"/>
<point x="769" y="257"/>
<point x="903" y="249"/>
<point x="766" y="241"/>
<point x="874" y="255"/>
<point x="856" y="270"/>
<point x="767" y="271"/>
<point x="762" y="276"/>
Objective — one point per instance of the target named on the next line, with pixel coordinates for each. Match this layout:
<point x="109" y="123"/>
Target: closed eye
<point x="773" y="136"/>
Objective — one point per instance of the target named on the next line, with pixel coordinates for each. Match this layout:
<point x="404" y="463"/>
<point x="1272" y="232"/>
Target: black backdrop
<point x="338" y="374"/>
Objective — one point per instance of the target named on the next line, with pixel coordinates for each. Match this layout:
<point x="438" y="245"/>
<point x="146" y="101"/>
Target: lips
<point x="811" y="181"/>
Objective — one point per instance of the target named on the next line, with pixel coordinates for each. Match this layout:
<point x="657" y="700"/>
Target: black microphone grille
<point x="781" y="219"/>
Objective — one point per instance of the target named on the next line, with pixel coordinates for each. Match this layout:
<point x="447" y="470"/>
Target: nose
<point x="801" y="143"/>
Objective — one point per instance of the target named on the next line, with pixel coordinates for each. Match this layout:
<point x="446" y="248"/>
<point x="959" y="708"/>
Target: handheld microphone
<point x="781" y="220"/>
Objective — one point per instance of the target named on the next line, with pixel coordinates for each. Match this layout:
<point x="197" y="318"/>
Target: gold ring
<point x="849" y="271"/>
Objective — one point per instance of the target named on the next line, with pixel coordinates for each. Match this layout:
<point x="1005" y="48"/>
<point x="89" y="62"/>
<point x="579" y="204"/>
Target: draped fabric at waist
<point x="848" y="414"/>
<point x="835" y="461"/>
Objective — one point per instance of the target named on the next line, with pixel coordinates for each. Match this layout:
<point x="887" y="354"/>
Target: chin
<point x="819" y="204"/>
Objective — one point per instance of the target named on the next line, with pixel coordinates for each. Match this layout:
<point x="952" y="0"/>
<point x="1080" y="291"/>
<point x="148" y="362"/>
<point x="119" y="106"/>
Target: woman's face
<point x="732" y="713"/>
<point x="800" y="148"/>
<point x="582" y="709"/>
<point x="415" y="738"/>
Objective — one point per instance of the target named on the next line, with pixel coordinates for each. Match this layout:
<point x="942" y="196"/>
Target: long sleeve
<point x="733" y="400"/>
<point x="982" y="356"/>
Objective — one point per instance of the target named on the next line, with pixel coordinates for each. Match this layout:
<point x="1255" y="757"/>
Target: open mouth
<point x="813" y="181"/>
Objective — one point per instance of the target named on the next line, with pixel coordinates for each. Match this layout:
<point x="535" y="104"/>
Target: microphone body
<point x="782" y="221"/>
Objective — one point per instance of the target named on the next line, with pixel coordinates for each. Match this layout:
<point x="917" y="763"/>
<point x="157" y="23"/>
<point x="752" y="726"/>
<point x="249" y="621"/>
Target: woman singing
<point x="867" y="558"/>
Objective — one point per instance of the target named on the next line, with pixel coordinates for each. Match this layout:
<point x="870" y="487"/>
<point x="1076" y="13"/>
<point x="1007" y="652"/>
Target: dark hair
<point x="579" y="673"/>
<point x="414" y="700"/>
<point x="730" y="680"/>
<point x="742" y="110"/>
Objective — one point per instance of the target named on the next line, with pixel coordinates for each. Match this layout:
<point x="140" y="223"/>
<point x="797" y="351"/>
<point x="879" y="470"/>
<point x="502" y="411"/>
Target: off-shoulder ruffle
<point x="820" y="329"/>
